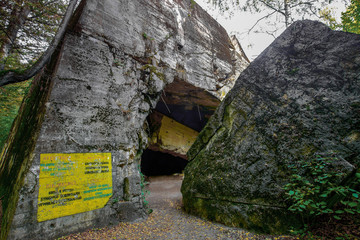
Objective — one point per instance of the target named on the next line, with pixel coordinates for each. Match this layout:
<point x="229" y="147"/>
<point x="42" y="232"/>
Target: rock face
<point x="94" y="97"/>
<point x="299" y="98"/>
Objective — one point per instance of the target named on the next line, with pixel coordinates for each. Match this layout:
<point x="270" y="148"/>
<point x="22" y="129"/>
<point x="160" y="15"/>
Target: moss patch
<point x="153" y="70"/>
<point x="259" y="219"/>
<point x="11" y="97"/>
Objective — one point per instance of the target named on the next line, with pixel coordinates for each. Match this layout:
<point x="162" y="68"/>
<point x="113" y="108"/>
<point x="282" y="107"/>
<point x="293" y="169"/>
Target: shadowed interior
<point x="181" y="113"/>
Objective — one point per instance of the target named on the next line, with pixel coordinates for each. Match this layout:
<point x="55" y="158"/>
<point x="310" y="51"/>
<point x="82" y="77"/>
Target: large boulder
<point x="300" y="98"/>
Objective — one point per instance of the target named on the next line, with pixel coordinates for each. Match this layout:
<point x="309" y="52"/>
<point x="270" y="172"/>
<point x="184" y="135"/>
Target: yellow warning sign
<point x="72" y="183"/>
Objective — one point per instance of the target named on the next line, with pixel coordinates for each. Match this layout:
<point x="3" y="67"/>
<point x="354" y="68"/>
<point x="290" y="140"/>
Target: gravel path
<point x="168" y="221"/>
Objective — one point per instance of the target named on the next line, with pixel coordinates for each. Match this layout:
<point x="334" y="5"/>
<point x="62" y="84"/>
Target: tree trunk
<point x="12" y="77"/>
<point x="287" y="13"/>
<point x="16" y="22"/>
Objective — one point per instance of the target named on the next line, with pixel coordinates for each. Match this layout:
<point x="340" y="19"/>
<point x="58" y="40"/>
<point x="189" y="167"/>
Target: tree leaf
<point x="349" y="211"/>
<point x="352" y="204"/>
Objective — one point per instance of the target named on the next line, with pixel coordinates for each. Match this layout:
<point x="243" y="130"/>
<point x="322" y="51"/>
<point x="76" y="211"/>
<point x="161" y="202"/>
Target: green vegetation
<point x="350" y="19"/>
<point x="145" y="36"/>
<point x="119" y="63"/>
<point x="144" y="191"/>
<point x="27" y="28"/>
<point x="126" y="189"/>
<point x="11" y="97"/>
<point x="153" y="70"/>
<point x="292" y="71"/>
<point x="313" y="194"/>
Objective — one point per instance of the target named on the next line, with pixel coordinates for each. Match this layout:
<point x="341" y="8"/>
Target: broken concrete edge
<point x="238" y="48"/>
<point x="17" y="154"/>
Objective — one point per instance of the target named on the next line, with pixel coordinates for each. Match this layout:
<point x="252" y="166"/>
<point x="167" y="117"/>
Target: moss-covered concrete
<point x="256" y="218"/>
<point x="17" y="154"/>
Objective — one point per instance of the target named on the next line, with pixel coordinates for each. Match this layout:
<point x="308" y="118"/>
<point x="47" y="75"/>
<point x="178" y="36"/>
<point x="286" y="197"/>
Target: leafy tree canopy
<point x="20" y="12"/>
<point x="26" y="28"/>
<point x="350" y="19"/>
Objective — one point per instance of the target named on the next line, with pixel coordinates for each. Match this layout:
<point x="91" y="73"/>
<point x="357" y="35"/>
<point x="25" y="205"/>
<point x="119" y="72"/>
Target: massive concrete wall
<point x="94" y="97"/>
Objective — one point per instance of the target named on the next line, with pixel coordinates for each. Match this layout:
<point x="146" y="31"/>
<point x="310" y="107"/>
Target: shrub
<point x="312" y="193"/>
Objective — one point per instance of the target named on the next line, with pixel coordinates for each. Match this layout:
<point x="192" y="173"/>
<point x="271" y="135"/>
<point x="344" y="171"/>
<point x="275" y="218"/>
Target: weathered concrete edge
<point x="17" y="154"/>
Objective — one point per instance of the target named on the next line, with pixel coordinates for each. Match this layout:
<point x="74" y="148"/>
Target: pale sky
<point x="253" y="43"/>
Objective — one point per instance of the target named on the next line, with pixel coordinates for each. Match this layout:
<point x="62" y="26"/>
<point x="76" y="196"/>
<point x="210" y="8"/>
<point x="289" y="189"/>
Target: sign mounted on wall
<point x="72" y="183"/>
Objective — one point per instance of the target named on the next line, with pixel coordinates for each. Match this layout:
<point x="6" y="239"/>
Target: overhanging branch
<point x="12" y="77"/>
<point x="259" y="20"/>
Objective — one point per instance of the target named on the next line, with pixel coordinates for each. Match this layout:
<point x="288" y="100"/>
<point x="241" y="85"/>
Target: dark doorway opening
<point x="155" y="163"/>
<point x="179" y="116"/>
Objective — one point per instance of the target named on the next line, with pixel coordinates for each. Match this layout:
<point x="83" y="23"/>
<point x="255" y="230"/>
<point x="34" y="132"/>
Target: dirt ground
<point x="168" y="220"/>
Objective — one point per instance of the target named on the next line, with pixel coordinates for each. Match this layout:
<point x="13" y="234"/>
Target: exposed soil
<point x="326" y="227"/>
<point x="168" y="220"/>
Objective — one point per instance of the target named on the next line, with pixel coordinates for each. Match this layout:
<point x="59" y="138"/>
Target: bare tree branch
<point x="259" y="20"/>
<point x="303" y="3"/>
<point x="272" y="7"/>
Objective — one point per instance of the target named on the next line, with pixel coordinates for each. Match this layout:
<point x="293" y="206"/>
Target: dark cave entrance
<point x="179" y="116"/>
<point x="156" y="163"/>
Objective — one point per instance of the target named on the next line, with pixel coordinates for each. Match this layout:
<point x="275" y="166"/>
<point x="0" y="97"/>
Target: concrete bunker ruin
<point x="179" y="116"/>
<point x="72" y="159"/>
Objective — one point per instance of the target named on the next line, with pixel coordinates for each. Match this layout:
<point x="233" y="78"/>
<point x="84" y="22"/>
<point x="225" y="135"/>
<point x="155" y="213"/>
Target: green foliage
<point x="115" y="200"/>
<point x="145" y="36"/>
<point x="118" y="63"/>
<point x="327" y="16"/>
<point x="144" y="191"/>
<point x="309" y="193"/>
<point x="192" y="4"/>
<point x="11" y="97"/>
<point x="351" y="17"/>
<point x="153" y="70"/>
<point x="29" y="39"/>
<point x="292" y="71"/>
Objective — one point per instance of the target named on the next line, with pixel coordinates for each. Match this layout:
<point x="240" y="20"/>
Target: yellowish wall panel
<point x="72" y="183"/>
<point x="175" y="137"/>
